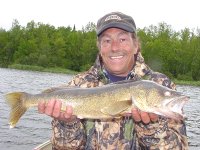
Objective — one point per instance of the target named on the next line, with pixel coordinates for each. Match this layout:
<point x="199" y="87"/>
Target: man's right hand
<point x="53" y="109"/>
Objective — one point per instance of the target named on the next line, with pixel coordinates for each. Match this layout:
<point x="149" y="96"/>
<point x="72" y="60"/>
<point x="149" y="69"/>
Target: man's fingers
<point x="50" y="107"/>
<point x="136" y="115"/>
<point x="68" y="113"/>
<point x="53" y="109"/>
<point x="41" y="107"/>
<point x="56" y="109"/>
<point x="153" y="117"/>
<point x="145" y="117"/>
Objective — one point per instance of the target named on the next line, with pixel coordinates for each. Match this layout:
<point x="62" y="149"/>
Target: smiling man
<point x="119" y="59"/>
<point x="117" y="50"/>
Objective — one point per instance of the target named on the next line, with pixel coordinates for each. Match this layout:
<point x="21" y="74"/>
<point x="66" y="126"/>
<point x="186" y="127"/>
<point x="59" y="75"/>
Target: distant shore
<point x="71" y="72"/>
<point x="42" y="69"/>
<point x="192" y="83"/>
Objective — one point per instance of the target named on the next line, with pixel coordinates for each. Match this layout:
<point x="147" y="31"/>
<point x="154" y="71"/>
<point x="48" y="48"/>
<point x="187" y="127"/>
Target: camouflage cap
<point x="115" y="20"/>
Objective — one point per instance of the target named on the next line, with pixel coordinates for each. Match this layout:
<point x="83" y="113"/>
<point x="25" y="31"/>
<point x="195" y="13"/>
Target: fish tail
<point x="16" y="102"/>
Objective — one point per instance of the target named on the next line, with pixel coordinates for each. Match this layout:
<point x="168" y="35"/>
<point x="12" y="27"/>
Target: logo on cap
<point x="112" y="17"/>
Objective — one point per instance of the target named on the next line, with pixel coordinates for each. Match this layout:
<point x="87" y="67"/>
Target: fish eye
<point x="167" y="93"/>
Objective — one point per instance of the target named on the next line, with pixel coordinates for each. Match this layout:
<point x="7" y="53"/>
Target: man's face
<point x="117" y="49"/>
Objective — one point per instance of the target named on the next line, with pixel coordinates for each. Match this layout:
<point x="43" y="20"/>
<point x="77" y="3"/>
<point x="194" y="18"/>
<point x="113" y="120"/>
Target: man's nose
<point x="115" y="45"/>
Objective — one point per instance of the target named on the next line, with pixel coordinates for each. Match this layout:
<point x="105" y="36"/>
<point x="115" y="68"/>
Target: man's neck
<point x="114" y="78"/>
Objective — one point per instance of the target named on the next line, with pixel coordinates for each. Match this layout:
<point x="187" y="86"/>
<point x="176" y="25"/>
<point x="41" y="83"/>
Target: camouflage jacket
<point x="120" y="133"/>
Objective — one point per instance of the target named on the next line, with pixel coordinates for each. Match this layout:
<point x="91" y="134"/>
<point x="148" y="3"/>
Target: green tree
<point x="3" y="43"/>
<point x="195" y="65"/>
<point x="14" y="36"/>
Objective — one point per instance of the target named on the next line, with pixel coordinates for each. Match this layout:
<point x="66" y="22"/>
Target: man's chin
<point x="117" y="72"/>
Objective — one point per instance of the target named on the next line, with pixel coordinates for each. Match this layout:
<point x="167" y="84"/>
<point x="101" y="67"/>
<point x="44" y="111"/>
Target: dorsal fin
<point x="52" y="89"/>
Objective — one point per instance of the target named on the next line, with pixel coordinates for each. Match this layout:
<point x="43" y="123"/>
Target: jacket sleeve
<point x="164" y="134"/>
<point x="68" y="136"/>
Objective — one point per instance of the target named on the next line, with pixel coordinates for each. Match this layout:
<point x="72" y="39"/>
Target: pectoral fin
<point x="116" y="108"/>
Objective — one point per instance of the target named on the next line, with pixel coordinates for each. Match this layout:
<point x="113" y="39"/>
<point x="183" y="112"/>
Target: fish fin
<point x="15" y="102"/>
<point x="116" y="108"/>
<point x="49" y="90"/>
<point x="52" y="89"/>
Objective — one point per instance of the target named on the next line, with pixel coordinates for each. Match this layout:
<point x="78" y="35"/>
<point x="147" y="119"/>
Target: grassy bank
<point x="181" y="82"/>
<point x="42" y="69"/>
<point x="66" y="71"/>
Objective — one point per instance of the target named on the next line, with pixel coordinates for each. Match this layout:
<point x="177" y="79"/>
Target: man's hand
<point x="143" y="116"/>
<point x="53" y="109"/>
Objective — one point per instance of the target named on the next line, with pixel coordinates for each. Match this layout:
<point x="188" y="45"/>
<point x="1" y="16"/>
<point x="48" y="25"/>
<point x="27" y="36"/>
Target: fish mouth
<point x="173" y="107"/>
<point x="176" y="104"/>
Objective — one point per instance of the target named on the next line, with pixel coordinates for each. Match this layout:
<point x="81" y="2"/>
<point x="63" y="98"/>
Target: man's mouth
<point x="116" y="57"/>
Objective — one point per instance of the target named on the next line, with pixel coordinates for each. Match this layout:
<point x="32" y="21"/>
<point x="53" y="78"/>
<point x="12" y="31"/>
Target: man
<point x="119" y="59"/>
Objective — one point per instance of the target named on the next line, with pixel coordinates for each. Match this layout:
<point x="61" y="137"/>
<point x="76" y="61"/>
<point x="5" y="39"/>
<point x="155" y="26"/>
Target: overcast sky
<point x="177" y="13"/>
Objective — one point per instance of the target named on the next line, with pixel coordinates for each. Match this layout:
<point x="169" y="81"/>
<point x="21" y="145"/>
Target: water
<point x="34" y="128"/>
<point x="192" y="110"/>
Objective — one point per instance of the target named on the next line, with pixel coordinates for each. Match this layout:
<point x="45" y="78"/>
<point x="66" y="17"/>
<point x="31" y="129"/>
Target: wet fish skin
<point x="105" y="102"/>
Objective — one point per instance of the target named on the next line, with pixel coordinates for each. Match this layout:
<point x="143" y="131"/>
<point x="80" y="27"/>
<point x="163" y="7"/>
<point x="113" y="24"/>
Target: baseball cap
<point x="115" y="20"/>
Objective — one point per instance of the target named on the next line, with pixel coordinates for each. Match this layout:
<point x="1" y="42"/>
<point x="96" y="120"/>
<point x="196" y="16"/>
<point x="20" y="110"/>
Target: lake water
<point x="34" y="129"/>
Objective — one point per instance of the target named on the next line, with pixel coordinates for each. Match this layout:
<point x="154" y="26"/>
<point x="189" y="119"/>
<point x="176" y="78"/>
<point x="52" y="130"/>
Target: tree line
<point x="175" y="53"/>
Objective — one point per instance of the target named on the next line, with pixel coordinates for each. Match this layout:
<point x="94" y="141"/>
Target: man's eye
<point x="122" y="40"/>
<point x="106" y="41"/>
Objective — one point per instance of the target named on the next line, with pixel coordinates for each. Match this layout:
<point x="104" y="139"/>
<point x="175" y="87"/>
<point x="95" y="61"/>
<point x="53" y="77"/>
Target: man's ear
<point x="138" y="46"/>
<point x="98" y="44"/>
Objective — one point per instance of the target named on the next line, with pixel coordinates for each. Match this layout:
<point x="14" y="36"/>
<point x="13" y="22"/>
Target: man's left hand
<point x="143" y="116"/>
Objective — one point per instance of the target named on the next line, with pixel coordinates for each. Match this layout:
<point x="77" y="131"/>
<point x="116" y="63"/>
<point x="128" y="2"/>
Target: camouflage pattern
<point x="120" y="133"/>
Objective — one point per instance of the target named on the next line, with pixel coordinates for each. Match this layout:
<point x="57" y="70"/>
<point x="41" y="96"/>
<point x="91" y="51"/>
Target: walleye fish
<point x="105" y="102"/>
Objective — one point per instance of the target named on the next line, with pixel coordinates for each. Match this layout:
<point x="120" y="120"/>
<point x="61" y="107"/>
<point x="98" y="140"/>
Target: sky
<point x="180" y="14"/>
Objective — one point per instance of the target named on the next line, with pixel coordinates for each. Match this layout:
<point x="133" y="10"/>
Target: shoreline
<point x="71" y="72"/>
<point x="42" y="69"/>
<point x="189" y="83"/>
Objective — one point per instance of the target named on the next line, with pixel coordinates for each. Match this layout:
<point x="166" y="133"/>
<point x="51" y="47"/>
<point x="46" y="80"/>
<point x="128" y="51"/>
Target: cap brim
<point x="119" y="25"/>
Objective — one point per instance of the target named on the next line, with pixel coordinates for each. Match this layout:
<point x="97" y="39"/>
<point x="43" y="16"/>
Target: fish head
<point x="154" y="98"/>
